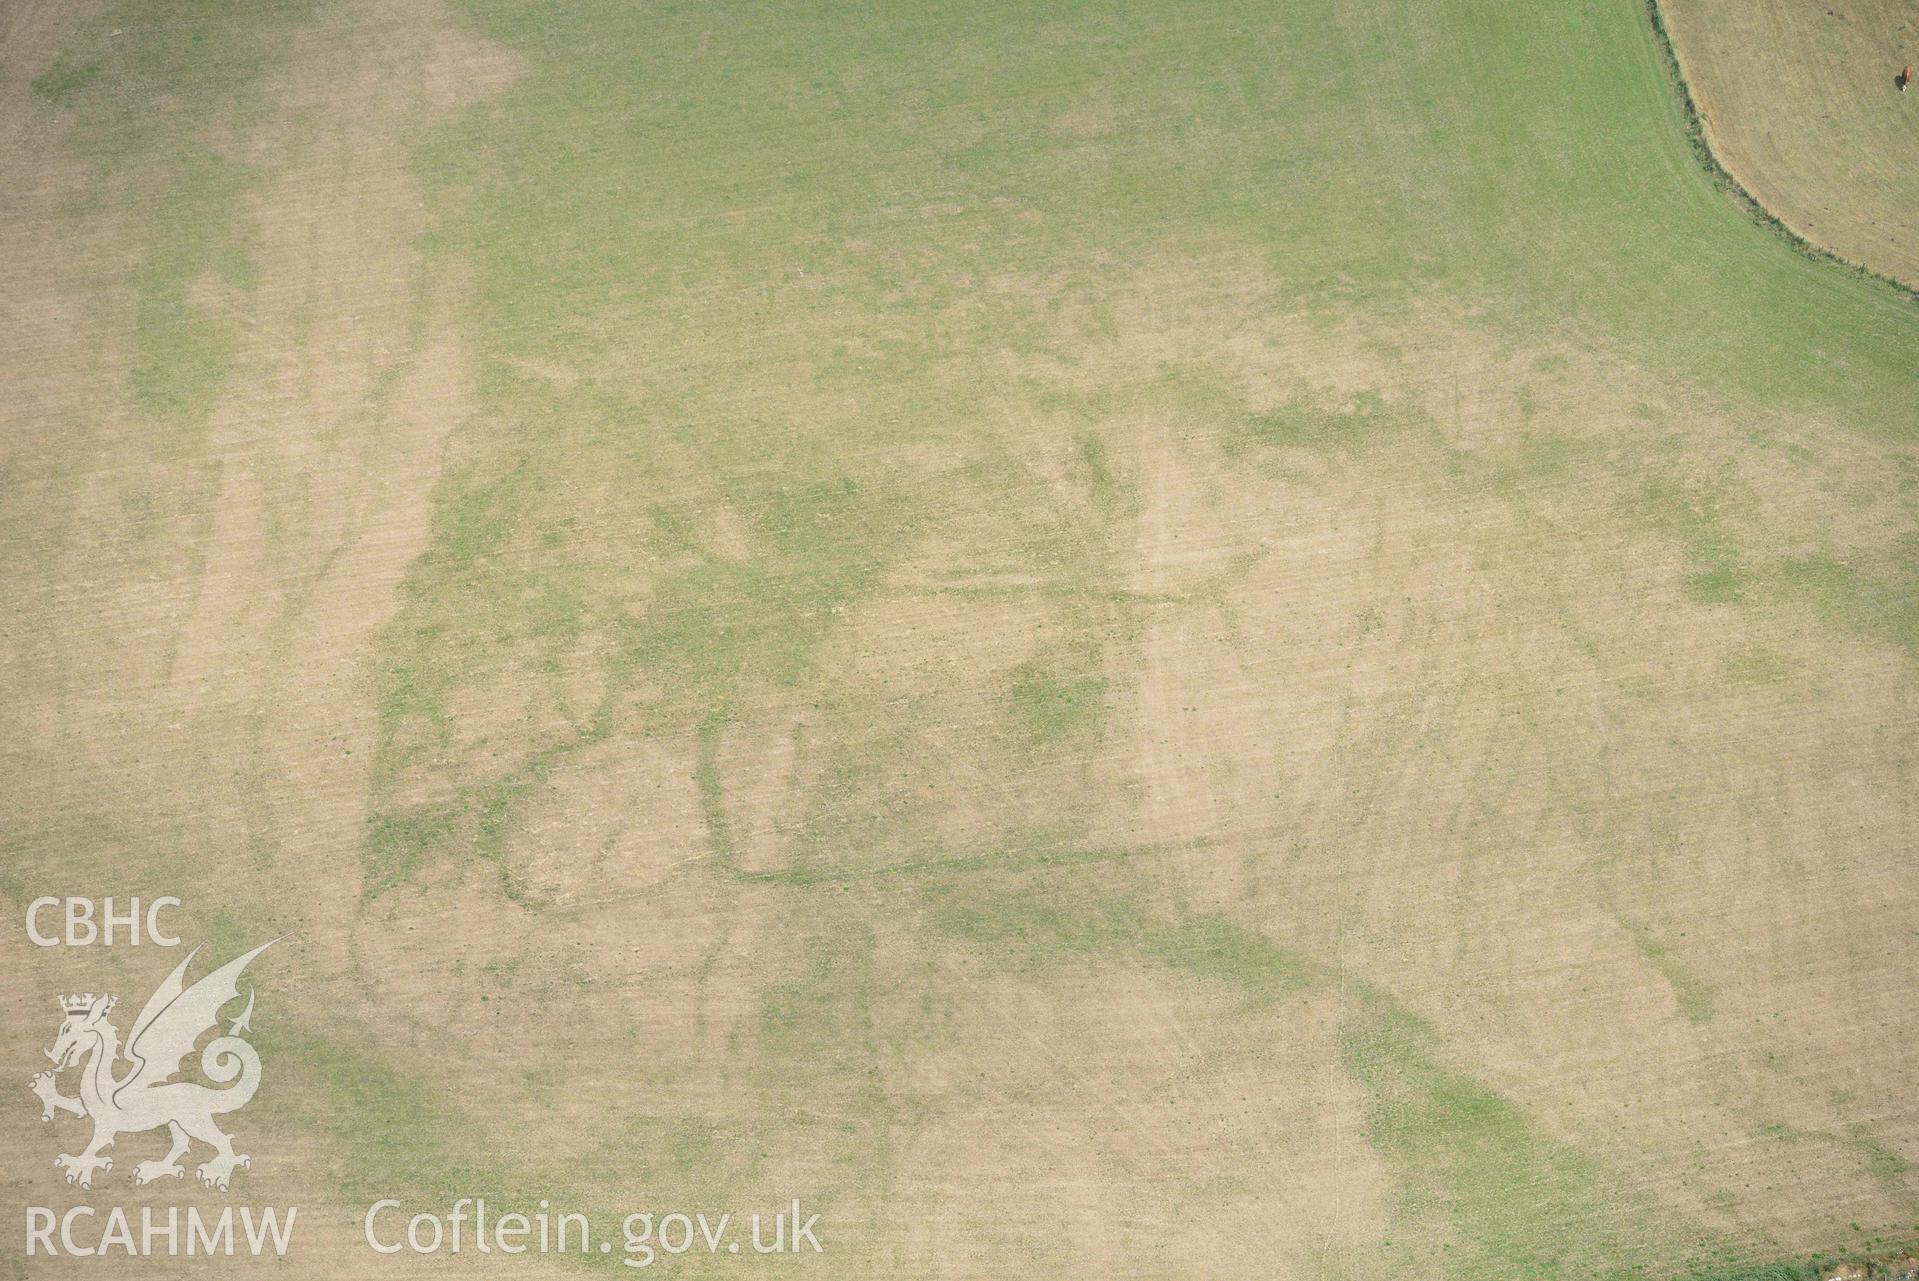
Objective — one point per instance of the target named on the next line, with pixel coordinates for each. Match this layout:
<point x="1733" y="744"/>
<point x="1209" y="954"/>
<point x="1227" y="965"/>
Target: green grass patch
<point x="1318" y="422"/>
<point x="1473" y="1170"/>
<point x="64" y="79"/>
<point x="1882" y="606"/>
<point x="1053" y="708"/>
<point x="1692" y="994"/>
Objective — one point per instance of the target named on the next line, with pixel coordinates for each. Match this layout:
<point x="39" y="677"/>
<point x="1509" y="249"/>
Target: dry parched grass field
<point x="1224" y="639"/>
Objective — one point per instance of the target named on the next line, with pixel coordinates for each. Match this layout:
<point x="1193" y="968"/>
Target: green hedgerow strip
<point x="1723" y="178"/>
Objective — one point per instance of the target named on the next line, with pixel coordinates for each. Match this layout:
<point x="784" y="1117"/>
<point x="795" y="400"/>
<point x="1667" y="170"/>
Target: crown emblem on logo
<point x="77" y="1004"/>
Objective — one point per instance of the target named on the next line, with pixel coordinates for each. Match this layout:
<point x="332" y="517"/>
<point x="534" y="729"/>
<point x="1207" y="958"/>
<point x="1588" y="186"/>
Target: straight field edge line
<point x="1700" y="139"/>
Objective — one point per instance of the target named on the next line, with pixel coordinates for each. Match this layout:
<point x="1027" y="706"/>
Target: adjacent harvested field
<point x="1801" y="106"/>
<point x="1108" y="640"/>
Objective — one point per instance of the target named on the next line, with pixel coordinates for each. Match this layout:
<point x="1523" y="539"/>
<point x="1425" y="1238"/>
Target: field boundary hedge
<point x="1723" y="178"/>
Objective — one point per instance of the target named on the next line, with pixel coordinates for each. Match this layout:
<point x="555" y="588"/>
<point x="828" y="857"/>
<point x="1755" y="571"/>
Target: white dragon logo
<point x="147" y="1097"/>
